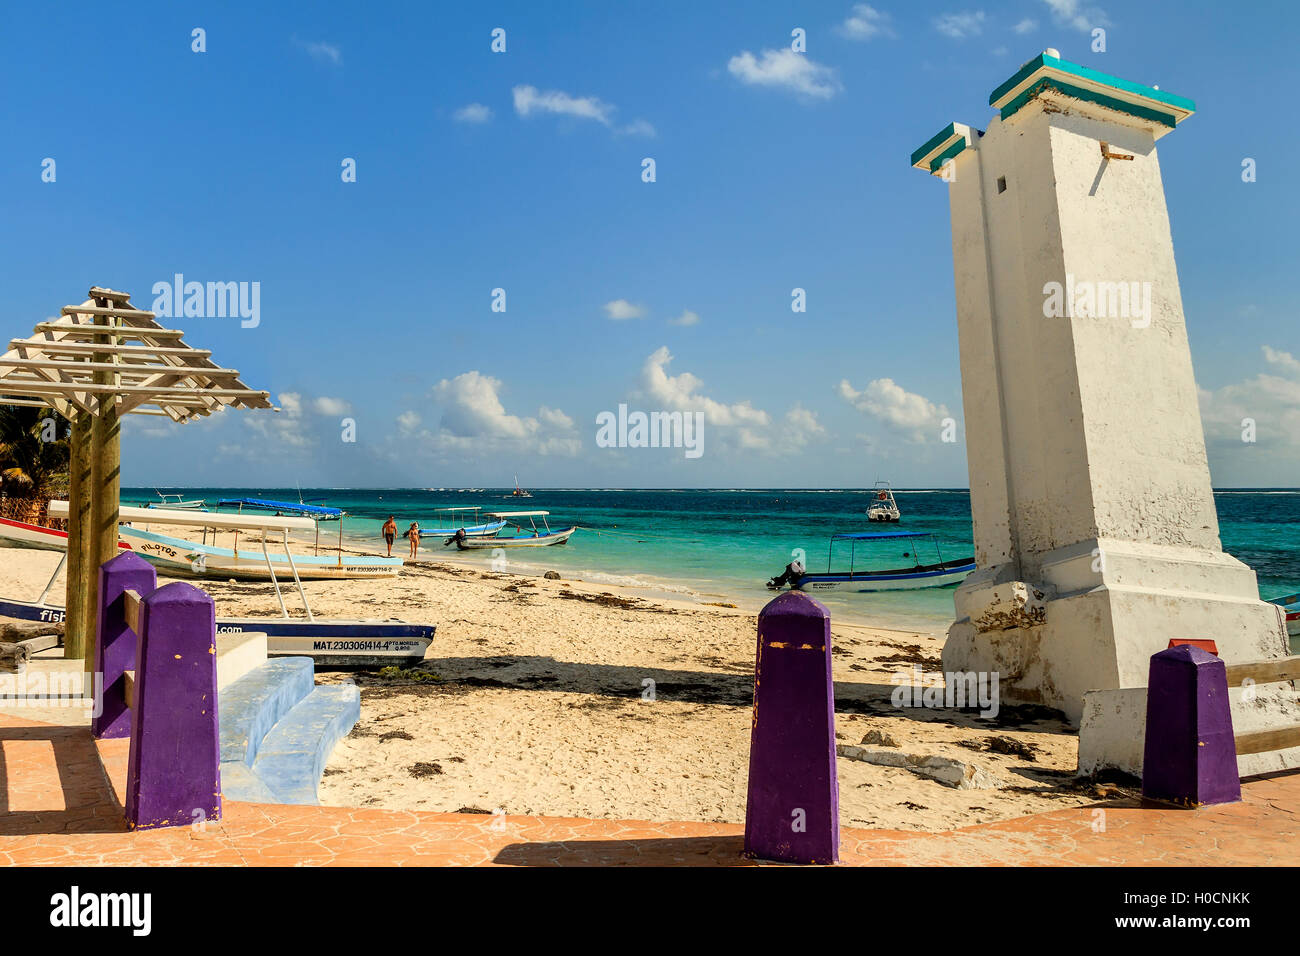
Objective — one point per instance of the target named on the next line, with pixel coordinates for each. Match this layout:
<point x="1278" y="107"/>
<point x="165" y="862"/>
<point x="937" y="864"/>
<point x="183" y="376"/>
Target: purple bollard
<point x="172" y="772"/>
<point x="1190" y="754"/>
<point x="115" y="642"/>
<point x="793" y="810"/>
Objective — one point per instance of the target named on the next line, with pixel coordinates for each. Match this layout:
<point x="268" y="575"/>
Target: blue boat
<point x="934" y="575"/>
<point x="450" y="526"/>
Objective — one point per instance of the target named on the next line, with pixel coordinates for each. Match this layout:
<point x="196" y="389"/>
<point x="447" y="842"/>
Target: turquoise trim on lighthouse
<point x="948" y="143"/>
<point x="1047" y="72"/>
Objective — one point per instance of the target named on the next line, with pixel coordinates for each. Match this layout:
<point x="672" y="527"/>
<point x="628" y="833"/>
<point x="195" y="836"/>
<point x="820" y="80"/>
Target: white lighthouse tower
<point x="1096" y="536"/>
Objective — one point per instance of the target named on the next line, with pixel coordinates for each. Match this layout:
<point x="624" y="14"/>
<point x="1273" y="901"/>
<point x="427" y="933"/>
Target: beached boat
<point x="883" y="507"/>
<point x="19" y="534"/>
<point x="181" y="557"/>
<point x="935" y="575"/>
<point x="452" y="519"/>
<point x="1291" y="605"/>
<point x="177" y="501"/>
<point x="534" y="537"/>
<point x="331" y="643"/>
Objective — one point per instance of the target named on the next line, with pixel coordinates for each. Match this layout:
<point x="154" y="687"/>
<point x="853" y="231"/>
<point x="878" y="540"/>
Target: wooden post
<point x="105" y="475"/>
<point x="74" y="645"/>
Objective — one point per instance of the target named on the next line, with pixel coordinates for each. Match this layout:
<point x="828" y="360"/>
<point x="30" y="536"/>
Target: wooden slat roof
<point x="152" y="371"/>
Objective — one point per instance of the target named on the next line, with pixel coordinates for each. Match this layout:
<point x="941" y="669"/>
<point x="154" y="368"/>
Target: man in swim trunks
<point x="390" y="533"/>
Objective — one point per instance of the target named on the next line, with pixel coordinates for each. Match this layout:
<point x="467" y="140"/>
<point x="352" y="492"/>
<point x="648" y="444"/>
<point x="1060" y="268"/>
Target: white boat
<point x="19" y="534"/>
<point x="935" y="575"/>
<point x="534" y="537"/>
<point x="452" y="520"/>
<point x="519" y="492"/>
<point x="177" y="501"/>
<point x="332" y="643"/>
<point x="883" y="506"/>
<point x="180" y="557"/>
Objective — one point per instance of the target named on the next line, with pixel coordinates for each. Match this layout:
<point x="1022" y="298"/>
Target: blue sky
<point x="522" y="171"/>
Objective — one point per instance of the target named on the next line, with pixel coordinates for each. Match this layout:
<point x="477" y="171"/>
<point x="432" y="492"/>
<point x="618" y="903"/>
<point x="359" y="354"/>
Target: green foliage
<point x="34" y="452"/>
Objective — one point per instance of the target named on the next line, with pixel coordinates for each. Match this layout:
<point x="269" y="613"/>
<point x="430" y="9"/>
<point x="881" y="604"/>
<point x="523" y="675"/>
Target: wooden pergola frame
<point x="96" y="362"/>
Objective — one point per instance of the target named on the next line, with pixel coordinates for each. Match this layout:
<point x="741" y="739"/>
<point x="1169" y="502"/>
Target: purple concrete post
<point x="172" y="772"/>
<point x="115" y="642"/>
<point x="1190" y="755"/>
<point x="793" y="811"/>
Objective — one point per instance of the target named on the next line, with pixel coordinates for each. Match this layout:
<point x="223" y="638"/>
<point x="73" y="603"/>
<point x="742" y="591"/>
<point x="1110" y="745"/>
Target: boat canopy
<point x="517" y="514"/>
<point x="284" y="507"/>
<point x="199" y="519"/>
<point x="460" y="508"/>
<point x="876" y="535"/>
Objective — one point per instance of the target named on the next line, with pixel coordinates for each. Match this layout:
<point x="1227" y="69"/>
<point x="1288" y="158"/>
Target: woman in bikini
<point x="413" y="533"/>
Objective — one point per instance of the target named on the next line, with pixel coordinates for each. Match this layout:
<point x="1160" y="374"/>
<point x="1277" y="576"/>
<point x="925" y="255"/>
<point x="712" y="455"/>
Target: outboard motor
<point x="791" y="575"/>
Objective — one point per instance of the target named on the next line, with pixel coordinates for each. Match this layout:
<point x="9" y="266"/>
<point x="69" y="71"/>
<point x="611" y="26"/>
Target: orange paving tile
<point x="60" y="805"/>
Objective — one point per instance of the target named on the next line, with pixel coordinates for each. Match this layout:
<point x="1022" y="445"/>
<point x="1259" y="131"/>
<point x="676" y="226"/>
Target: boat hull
<point x="331" y="644"/>
<point x="530" y="541"/>
<point x="18" y="534"/>
<point x="488" y="530"/>
<point x="182" y="558"/>
<point x="929" y="576"/>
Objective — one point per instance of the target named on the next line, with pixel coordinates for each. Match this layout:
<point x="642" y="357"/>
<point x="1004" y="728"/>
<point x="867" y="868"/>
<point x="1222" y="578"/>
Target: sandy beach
<point x="566" y="698"/>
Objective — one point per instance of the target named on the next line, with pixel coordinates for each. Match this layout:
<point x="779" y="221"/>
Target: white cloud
<point x="1027" y="25"/>
<point x="290" y="403"/>
<point x="474" y="419"/>
<point x="637" y="128"/>
<point x="1271" y="403"/>
<point x="473" y="113"/>
<point x="408" y="422"/>
<point x="529" y="100"/>
<point x="784" y="69"/>
<point x="799" y="427"/>
<point x="321" y="51"/>
<point x="555" y="418"/>
<point x="679" y="393"/>
<point x="865" y="22"/>
<point x="330" y="406"/>
<point x="959" y="26"/>
<point x="620" y="309"/>
<point x="1072" y="13"/>
<point x="686" y="318"/>
<point x="1284" y="360"/>
<point x="891" y="404"/>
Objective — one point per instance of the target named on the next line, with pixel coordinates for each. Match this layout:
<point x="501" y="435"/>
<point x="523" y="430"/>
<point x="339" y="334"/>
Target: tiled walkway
<point x="57" y="806"/>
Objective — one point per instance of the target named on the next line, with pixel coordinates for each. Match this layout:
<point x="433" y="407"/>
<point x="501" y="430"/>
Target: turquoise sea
<point x="723" y="544"/>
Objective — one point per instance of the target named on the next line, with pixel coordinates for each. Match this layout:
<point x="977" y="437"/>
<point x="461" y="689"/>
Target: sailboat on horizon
<point x="519" y="492"/>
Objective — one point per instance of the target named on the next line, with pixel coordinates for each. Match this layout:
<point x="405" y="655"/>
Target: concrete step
<point x="292" y="757"/>
<point x="238" y="782"/>
<point x="237" y="655"/>
<point x="249" y="707"/>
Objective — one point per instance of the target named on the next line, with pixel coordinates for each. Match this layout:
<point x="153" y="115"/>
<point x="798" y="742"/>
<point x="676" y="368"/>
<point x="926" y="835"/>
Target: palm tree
<point x="34" y="454"/>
